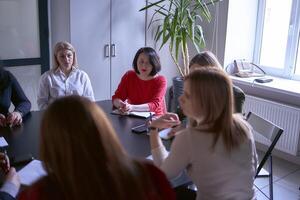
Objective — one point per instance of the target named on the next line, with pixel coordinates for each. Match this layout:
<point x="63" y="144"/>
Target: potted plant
<point x="178" y="22"/>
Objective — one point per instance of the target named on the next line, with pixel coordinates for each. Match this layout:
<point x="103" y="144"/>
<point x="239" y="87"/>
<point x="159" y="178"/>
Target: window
<point x="277" y="47"/>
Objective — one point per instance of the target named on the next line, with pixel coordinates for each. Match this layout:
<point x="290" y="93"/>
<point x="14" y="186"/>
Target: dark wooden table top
<point x="25" y="138"/>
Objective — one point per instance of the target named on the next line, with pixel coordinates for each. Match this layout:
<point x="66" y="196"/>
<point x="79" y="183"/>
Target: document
<point x="3" y="142"/>
<point x="32" y="172"/>
<point x="164" y="134"/>
<point x="133" y="113"/>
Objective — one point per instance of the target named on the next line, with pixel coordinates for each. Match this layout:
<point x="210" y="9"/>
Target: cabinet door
<point x="90" y="32"/>
<point x="127" y="34"/>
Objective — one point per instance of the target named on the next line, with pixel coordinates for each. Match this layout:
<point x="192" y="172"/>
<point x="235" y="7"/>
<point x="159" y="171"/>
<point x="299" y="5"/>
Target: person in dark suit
<point x="11" y="92"/>
<point x="11" y="185"/>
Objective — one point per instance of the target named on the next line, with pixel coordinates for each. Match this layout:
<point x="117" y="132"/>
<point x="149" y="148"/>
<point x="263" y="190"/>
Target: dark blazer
<point x="11" y="91"/>
<point x="6" y="196"/>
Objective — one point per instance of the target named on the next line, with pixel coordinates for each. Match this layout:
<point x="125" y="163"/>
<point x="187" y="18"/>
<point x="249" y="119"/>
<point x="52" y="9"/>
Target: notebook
<point x="133" y="113"/>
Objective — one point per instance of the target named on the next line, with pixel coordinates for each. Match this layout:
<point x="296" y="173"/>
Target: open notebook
<point x="133" y="113"/>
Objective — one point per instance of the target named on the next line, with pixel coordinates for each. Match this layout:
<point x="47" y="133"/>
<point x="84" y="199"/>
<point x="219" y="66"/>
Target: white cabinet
<point x="106" y="35"/>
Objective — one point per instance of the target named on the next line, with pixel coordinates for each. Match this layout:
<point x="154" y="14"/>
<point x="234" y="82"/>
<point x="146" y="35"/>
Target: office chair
<point x="272" y="133"/>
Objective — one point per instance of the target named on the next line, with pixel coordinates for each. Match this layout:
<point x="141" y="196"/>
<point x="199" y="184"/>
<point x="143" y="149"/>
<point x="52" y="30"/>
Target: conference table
<point x="25" y="139"/>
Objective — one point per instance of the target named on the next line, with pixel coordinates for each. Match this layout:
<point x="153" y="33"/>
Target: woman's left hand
<point x="14" y="118"/>
<point x="166" y="121"/>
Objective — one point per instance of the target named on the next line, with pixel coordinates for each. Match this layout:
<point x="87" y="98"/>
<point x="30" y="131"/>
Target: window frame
<point x="288" y="71"/>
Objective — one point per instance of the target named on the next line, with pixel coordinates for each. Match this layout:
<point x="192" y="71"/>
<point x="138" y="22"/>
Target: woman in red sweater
<point x="85" y="160"/>
<point x="142" y="89"/>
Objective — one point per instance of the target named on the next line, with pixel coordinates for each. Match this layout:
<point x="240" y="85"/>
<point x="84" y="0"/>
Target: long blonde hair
<point x="205" y="59"/>
<point x="212" y="101"/>
<point x="63" y="46"/>
<point x="83" y="156"/>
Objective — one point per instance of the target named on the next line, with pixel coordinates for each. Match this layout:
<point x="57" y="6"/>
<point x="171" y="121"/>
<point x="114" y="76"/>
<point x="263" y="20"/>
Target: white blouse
<point x="216" y="173"/>
<point x="54" y="84"/>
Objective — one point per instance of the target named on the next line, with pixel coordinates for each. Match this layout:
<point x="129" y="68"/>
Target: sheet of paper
<point x="141" y="114"/>
<point x="164" y="134"/>
<point x="149" y="157"/>
<point x="3" y="142"/>
<point x="31" y="172"/>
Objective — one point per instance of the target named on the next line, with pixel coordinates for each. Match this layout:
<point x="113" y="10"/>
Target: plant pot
<point x="177" y="91"/>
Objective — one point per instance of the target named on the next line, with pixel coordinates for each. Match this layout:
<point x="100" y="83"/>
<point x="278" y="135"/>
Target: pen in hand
<point x="5" y="165"/>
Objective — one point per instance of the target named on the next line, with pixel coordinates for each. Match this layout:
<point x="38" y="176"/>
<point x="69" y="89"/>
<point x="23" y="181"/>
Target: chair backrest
<point x="267" y="129"/>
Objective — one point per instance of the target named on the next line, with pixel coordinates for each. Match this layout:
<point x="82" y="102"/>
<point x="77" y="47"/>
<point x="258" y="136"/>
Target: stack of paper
<point x="32" y="172"/>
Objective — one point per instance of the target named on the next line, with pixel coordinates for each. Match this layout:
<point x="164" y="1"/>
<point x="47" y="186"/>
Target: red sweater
<point x="138" y="91"/>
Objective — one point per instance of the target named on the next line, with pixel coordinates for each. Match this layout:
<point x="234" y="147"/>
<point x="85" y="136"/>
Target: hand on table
<point x="125" y="107"/>
<point x="2" y="120"/>
<point x="14" y="118"/>
<point x="4" y="163"/>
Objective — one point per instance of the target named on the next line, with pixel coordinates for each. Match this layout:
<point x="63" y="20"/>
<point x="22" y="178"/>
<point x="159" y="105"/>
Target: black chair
<point x="272" y="133"/>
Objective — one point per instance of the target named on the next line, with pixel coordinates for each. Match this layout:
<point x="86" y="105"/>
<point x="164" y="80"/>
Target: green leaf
<point x="151" y="5"/>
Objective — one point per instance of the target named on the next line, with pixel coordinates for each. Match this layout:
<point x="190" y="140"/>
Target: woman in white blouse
<point x="217" y="147"/>
<point x="64" y="78"/>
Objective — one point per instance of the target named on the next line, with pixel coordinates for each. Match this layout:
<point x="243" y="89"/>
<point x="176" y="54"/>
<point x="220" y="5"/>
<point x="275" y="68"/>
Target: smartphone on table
<point x="143" y="128"/>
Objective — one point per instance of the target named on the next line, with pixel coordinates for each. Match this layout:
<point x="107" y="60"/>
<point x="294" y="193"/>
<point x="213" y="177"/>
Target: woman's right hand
<point x="4" y="163"/>
<point x="2" y="120"/>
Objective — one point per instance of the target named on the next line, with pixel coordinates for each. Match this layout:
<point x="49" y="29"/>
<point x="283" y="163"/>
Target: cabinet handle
<point x="106" y="50"/>
<point x="113" y="50"/>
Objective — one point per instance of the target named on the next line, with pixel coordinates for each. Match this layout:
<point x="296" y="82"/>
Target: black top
<point x="11" y="91"/>
<point x="239" y="99"/>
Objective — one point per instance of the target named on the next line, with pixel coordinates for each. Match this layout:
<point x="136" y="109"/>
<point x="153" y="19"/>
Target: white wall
<point x="241" y="29"/>
<point x="215" y="31"/>
<point x="59" y="22"/>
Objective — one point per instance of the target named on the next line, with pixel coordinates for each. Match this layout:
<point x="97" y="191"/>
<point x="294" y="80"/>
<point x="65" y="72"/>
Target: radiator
<point x="286" y="117"/>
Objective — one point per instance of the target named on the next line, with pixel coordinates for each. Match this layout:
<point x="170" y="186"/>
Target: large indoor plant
<point x="178" y="22"/>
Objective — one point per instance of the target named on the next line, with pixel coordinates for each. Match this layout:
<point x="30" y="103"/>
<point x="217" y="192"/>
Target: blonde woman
<point x="217" y="147"/>
<point x="208" y="59"/>
<point x="85" y="160"/>
<point x="65" y="78"/>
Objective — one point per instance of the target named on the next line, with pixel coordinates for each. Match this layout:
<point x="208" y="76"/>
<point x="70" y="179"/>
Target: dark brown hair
<point x="212" y="100"/>
<point x="83" y="156"/>
<point x="153" y="59"/>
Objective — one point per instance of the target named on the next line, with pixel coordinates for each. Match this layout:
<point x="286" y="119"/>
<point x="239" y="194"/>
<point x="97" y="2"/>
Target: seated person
<point x="208" y="59"/>
<point x="85" y="160"/>
<point x="64" y="79"/>
<point x="217" y="148"/>
<point x="11" y="184"/>
<point x="142" y="89"/>
<point x="11" y="92"/>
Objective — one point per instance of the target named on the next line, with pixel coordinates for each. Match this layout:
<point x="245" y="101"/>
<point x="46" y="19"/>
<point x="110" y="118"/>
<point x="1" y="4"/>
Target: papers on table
<point x="133" y="113"/>
<point x="3" y="142"/>
<point x="164" y="134"/>
<point x="31" y="172"/>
